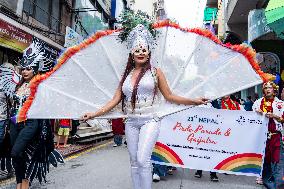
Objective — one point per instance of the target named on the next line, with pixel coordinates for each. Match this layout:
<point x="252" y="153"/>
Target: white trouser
<point x="141" y="135"/>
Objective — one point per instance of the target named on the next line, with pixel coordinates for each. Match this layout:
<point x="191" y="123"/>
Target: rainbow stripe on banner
<point x="162" y="153"/>
<point x="244" y="163"/>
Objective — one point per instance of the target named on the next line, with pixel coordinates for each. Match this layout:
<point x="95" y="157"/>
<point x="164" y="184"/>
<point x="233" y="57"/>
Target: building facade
<point x="145" y="6"/>
<point x="159" y="12"/>
<point x="154" y="8"/>
<point x="21" y="20"/>
<point x="93" y="15"/>
<point x="244" y="22"/>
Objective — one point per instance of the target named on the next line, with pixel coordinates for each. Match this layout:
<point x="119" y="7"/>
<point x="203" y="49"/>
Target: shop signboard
<point x="14" y="38"/>
<point x="257" y="24"/>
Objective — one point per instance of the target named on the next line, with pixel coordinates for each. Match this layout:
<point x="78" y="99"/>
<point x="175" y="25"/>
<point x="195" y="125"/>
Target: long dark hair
<point x="129" y="67"/>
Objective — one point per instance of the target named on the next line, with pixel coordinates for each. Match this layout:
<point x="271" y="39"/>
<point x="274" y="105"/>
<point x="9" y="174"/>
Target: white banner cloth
<point x="213" y="140"/>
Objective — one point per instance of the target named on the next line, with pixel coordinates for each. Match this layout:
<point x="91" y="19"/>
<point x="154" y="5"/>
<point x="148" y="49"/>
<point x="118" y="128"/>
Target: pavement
<point x="74" y="148"/>
<point x="66" y="152"/>
<point x="106" y="167"/>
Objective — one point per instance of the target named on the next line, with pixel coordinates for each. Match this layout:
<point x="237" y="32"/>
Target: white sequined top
<point x="145" y="103"/>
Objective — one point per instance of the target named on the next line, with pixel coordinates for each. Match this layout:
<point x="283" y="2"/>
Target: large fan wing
<point x="84" y="80"/>
<point x="196" y="64"/>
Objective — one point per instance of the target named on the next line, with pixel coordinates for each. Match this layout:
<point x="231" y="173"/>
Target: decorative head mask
<point x="36" y="58"/>
<point x="271" y="84"/>
<point x="140" y="40"/>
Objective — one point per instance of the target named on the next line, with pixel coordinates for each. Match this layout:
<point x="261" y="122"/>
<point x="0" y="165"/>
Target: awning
<point x="275" y="16"/>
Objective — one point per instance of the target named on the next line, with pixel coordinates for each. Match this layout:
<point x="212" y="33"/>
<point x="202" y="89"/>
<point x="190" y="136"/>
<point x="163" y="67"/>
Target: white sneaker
<point x="115" y="145"/>
<point x="156" y="178"/>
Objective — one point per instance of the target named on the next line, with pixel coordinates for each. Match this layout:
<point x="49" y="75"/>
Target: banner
<point x="257" y="24"/>
<point x="213" y="140"/>
<point x="72" y="38"/>
<point x="13" y="37"/>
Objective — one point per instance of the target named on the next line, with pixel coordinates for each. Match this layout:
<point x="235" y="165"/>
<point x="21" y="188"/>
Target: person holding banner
<point x="138" y="91"/>
<point x="213" y="175"/>
<point x="273" y="109"/>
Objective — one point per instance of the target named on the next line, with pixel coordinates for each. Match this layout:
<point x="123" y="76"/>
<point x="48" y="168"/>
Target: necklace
<point x="267" y="105"/>
<point x="230" y="108"/>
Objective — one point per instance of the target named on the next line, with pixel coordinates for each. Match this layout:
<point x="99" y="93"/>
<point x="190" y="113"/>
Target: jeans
<point x="21" y="134"/>
<point x="272" y="173"/>
<point x="3" y="126"/>
<point x="160" y="170"/>
<point x="117" y="139"/>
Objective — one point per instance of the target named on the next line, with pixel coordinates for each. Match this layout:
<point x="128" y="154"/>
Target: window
<point x="55" y="15"/>
<point x="28" y="7"/>
<point x="46" y="12"/>
<point x="42" y="11"/>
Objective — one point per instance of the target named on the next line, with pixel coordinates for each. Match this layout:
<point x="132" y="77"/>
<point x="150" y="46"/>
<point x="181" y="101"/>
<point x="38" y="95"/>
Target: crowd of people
<point x="31" y="141"/>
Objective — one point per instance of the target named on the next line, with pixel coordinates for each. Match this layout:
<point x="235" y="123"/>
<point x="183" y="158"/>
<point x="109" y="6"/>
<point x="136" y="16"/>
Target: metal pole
<point x="181" y="180"/>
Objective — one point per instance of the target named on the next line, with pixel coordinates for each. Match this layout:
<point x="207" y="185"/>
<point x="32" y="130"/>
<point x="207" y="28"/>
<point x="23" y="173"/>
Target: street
<point x="108" y="167"/>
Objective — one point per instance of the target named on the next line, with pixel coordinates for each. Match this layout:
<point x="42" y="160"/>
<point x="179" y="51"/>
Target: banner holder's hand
<point x="259" y="111"/>
<point x="201" y="101"/>
<point x="86" y="117"/>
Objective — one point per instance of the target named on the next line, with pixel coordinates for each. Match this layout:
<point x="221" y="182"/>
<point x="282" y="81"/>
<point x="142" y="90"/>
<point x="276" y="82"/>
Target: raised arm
<point x="169" y="96"/>
<point x="106" y="108"/>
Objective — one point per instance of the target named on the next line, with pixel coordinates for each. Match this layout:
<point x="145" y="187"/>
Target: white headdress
<point x="140" y="37"/>
<point x="36" y="57"/>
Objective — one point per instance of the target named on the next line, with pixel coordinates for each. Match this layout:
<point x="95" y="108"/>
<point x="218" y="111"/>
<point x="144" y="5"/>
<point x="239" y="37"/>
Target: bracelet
<point x="280" y="119"/>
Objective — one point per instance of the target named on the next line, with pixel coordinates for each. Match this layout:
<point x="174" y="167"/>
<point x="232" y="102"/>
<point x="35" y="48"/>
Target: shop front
<point x="14" y="40"/>
<point x="269" y="48"/>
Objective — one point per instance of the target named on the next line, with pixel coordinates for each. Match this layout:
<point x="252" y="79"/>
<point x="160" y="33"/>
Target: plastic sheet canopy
<point x="194" y="65"/>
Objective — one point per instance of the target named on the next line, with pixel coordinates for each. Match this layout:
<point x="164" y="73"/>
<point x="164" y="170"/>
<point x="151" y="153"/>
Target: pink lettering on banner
<point x="200" y="134"/>
<point x="200" y="140"/>
<point x="201" y="129"/>
<point x="179" y="127"/>
<point x="228" y="132"/>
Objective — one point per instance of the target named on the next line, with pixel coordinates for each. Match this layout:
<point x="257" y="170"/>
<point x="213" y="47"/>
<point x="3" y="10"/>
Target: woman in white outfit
<point x="138" y="92"/>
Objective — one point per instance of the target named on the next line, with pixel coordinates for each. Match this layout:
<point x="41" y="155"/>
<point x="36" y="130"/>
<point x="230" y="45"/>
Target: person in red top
<point x="64" y="129"/>
<point x="118" y="131"/>
<point x="230" y="104"/>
